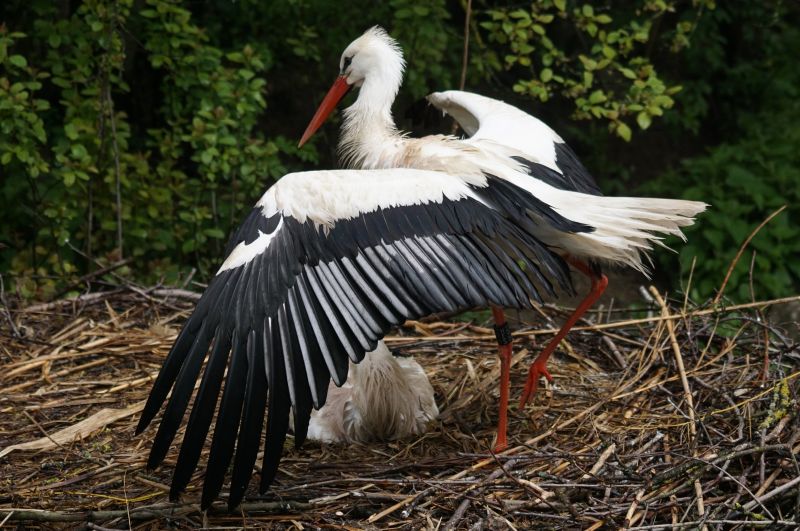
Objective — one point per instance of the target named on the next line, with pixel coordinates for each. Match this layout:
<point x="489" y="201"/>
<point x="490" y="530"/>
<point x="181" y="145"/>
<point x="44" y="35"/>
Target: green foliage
<point x="599" y="58"/>
<point x="143" y="130"/>
<point x="427" y="42"/>
<point x="744" y="182"/>
<point x="756" y="171"/>
<point x="70" y="161"/>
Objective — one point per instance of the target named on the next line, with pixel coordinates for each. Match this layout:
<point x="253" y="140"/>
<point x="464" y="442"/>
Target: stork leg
<point x="503" y="334"/>
<point x="539" y="367"/>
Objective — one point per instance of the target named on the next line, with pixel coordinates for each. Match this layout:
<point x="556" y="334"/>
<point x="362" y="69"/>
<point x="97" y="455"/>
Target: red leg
<point x="504" y="349"/>
<point x="539" y="367"/>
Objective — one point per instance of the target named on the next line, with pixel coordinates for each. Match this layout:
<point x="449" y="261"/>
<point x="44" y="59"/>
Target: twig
<point x="687" y="393"/>
<point x="465" y="53"/>
<point x="115" y="144"/>
<point x="695" y="525"/>
<point x="741" y="250"/>
<point x="11" y="323"/>
<point x="601" y="461"/>
<point x="603" y="326"/>
<point x="749" y="506"/>
<point x="681" y="469"/>
<point x="95" y="527"/>
<point x="94" y="274"/>
<point x="464" y="56"/>
<point x="158" y="510"/>
<point x="465" y="503"/>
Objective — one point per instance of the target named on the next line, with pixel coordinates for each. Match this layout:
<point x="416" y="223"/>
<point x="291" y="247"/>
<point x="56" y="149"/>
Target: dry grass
<point x="674" y="419"/>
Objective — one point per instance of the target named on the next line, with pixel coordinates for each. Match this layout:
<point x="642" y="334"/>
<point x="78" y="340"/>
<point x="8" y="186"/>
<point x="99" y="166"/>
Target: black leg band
<point x="503" y="334"/>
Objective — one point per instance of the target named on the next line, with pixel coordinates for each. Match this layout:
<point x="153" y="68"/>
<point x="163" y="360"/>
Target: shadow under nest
<point x="612" y="443"/>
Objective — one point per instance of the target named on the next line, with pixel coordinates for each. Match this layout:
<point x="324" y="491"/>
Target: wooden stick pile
<point x="686" y="418"/>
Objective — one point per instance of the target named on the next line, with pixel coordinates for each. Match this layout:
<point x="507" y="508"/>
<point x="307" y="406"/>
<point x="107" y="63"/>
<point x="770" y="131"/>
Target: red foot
<point x="501" y="445"/>
<point x="537" y="369"/>
<point x="505" y="375"/>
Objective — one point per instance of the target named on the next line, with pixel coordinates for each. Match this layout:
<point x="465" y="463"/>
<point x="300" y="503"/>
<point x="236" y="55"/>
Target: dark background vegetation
<point x="141" y="130"/>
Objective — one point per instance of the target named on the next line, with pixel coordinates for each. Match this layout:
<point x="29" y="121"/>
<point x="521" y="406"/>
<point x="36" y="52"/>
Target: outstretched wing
<point x="320" y="270"/>
<point x="544" y="153"/>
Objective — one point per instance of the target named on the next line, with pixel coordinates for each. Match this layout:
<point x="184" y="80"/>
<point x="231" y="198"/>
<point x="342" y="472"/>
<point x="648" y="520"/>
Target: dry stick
<point x="159" y="510"/>
<point x="85" y="298"/>
<point x="603" y="326"/>
<point x="694" y="525"/>
<point x="89" y="298"/>
<point x="7" y="313"/>
<point x="489" y="460"/>
<point x="601" y="461"/>
<point x="63" y="372"/>
<point x="117" y="177"/>
<point x="465" y="503"/>
<point x="687" y="392"/>
<point x="749" y="506"/>
<point x="93" y="275"/>
<point x="632" y="509"/>
<point x="41" y="428"/>
<point x="741" y="250"/>
<point x="682" y="469"/>
<point x="465" y="54"/>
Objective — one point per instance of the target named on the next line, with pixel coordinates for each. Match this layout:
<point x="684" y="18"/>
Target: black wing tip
<point x="235" y="498"/>
<point x="149" y="412"/>
<point x="175" y="493"/>
<point x="141" y="426"/>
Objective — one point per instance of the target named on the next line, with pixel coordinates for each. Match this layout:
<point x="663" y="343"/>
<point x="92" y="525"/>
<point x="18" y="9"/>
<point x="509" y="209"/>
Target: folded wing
<point x="544" y="154"/>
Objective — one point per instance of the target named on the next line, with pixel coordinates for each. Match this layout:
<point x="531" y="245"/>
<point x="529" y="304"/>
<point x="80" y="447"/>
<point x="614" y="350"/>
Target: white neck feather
<point x="369" y="136"/>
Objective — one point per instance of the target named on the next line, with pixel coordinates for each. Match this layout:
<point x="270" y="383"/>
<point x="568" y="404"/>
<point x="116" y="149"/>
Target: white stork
<point x="325" y="264"/>
<point x="509" y="146"/>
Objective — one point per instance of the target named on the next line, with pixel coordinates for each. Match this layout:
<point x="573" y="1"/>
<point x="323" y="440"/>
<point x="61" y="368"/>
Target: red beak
<point x="336" y="93"/>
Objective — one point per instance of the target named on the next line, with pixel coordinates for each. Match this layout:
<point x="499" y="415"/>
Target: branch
<point x="158" y="510"/>
<point x="741" y="250"/>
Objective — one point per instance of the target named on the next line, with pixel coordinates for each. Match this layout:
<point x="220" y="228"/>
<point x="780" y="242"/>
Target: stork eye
<point x="347" y="61"/>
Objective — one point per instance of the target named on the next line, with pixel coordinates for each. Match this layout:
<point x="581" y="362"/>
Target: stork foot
<point x="539" y="368"/>
<point x="501" y="444"/>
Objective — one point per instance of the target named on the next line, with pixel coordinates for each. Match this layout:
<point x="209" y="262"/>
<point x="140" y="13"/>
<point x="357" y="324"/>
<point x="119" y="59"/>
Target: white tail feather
<point x="625" y="228"/>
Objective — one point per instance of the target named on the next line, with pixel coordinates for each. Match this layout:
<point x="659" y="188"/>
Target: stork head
<point x="374" y="63"/>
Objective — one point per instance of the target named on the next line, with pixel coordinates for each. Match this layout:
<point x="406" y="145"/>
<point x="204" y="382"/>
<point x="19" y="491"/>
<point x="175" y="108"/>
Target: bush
<point x="87" y="182"/>
<point x="747" y="91"/>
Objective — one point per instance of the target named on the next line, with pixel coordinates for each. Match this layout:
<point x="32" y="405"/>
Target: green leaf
<point x="546" y="75"/>
<point x="18" y="60"/>
<point x="624" y="131"/>
<point x="643" y="119"/>
<point x="71" y="131"/>
<point x="78" y="151"/>
<point x="588" y="62"/>
<point x="598" y="96"/>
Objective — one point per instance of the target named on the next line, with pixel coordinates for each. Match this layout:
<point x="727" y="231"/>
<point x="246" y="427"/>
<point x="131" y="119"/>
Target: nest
<point x="677" y="417"/>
